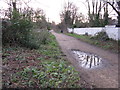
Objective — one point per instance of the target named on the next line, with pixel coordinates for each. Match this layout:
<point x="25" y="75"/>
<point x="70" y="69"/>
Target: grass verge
<point x="42" y="68"/>
<point x="110" y="45"/>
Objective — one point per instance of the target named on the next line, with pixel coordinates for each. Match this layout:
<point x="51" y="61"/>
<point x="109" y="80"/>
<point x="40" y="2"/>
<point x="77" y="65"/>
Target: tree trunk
<point x="118" y="21"/>
<point x="14" y="6"/>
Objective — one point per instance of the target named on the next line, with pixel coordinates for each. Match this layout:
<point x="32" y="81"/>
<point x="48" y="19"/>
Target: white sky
<point x="52" y="8"/>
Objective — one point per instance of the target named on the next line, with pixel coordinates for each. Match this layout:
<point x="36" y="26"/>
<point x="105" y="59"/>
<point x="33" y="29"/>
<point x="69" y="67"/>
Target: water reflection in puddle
<point x="87" y="60"/>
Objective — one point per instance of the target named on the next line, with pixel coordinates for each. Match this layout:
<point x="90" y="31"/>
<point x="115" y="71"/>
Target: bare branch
<point x="112" y="5"/>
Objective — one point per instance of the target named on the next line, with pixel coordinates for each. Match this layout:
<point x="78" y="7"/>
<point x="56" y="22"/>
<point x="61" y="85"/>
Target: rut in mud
<point x="97" y="67"/>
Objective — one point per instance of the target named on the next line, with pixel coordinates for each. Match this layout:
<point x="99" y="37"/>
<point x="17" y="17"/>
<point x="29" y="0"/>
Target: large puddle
<point x="87" y="60"/>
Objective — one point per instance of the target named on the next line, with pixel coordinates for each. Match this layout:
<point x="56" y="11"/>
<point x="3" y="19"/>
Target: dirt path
<point x="105" y="76"/>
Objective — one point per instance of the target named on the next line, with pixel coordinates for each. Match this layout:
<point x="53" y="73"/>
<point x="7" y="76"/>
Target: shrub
<point x="35" y="39"/>
<point x="6" y="33"/>
<point x="101" y="36"/>
<point x="86" y="34"/>
<point x="48" y="28"/>
<point x="18" y="30"/>
<point x="21" y="31"/>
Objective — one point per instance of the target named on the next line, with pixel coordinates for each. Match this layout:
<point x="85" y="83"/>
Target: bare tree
<point x="80" y="21"/>
<point x="69" y="14"/>
<point x="94" y="12"/>
<point x="115" y="4"/>
<point x="40" y="19"/>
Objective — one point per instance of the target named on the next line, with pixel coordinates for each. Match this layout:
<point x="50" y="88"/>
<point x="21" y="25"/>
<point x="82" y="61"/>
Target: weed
<point x="54" y="74"/>
<point x="50" y="69"/>
<point x="101" y="36"/>
<point x="100" y="40"/>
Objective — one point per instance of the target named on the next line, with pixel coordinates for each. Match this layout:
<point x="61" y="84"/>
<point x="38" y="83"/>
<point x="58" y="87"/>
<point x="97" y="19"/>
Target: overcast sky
<point x="52" y="8"/>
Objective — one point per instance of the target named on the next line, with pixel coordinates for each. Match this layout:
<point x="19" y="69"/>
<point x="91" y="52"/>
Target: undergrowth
<point x="100" y="41"/>
<point x="42" y="68"/>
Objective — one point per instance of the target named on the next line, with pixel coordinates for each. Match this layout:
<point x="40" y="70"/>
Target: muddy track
<point x="104" y="76"/>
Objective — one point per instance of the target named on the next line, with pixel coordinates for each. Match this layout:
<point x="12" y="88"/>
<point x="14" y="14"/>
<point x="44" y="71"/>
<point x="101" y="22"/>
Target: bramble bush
<point x="35" y="39"/>
<point x="20" y="31"/>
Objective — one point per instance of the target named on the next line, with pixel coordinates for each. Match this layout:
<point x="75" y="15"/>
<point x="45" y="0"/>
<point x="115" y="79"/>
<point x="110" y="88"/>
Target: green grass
<point x="110" y="45"/>
<point x="42" y="68"/>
